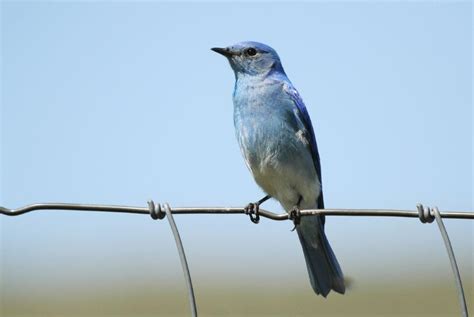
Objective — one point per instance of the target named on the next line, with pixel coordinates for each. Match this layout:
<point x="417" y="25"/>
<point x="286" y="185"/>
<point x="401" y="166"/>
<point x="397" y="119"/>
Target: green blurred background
<point x="121" y="102"/>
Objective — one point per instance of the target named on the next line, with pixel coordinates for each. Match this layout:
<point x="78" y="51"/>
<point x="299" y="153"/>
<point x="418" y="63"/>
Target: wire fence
<point x="158" y="211"/>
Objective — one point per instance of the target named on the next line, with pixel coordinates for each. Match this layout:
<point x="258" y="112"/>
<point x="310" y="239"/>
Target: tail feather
<point x="323" y="269"/>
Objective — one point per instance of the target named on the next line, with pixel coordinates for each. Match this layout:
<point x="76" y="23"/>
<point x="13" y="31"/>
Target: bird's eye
<point x="251" y="51"/>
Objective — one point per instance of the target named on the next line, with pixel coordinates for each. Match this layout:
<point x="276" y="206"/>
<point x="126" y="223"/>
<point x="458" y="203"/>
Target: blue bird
<point x="277" y="140"/>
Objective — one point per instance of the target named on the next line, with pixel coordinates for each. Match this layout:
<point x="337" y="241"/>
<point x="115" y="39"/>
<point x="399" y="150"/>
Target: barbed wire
<point x="158" y="211"/>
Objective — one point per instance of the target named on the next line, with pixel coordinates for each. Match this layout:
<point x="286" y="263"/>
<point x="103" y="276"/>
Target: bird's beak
<point x="224" y="51"/>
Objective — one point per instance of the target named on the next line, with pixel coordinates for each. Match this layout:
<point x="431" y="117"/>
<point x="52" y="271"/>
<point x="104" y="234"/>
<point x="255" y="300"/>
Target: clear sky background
<point x="119" y="103"/>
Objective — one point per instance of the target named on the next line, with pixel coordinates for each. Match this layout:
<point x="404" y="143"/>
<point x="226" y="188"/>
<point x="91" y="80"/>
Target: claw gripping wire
<point x="253" y="211"/>
<point x="157" y="211"/>
<point x="255" y="219"/>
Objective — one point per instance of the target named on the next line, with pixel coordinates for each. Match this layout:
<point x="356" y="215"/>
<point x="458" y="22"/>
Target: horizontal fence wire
<point x="230" y="210"/>
<point x="158" y="211"/>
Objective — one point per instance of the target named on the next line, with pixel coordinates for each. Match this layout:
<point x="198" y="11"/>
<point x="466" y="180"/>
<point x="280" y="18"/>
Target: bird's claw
<point x="295" y="216"/>
<point x="252" y="210"/>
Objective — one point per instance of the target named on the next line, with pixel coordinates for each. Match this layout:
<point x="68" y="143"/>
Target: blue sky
<point x="119" y="103"/>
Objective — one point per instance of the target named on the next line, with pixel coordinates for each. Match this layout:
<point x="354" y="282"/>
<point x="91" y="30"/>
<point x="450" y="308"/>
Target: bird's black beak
<point x="223" y="51"/>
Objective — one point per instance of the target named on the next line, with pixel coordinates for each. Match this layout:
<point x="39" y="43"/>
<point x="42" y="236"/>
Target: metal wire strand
<point x="155" y="210"/>
<point x="228" y="210"/>
<point x="182" y="257"/>
<point x="426" y="215"/>
<point x="452" y="259"/>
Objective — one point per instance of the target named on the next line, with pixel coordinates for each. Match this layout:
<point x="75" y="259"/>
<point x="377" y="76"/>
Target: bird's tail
<point x="324" y="271"/>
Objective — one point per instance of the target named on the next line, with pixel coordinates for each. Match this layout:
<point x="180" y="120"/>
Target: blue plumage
<point x="303" y="114"/>
<point x="277" y="140"/>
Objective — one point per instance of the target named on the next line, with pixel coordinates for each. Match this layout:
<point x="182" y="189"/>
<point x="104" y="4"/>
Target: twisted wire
<point x="424" y="214"/>
<point x="228" y="210"/>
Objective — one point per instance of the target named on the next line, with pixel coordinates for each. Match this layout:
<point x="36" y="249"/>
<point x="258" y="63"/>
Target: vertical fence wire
<point x="182" y="257"/>
<point x="452" y="259"/>
<point x="425" y="214"/>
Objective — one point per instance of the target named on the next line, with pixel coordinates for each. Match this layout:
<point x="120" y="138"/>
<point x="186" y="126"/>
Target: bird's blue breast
<point x="272" y="142"/>
<point x="261" y="122"/>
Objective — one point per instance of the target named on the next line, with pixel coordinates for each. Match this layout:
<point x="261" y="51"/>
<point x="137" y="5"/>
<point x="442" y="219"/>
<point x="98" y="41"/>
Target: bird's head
<point x="251" y="58"/>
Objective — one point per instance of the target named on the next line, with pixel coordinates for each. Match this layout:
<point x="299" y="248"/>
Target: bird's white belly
<point x="287" y="182"/>
<point x="278" y="157"/>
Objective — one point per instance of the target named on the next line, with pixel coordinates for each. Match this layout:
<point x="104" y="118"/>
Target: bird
<point x="277" y="141"/>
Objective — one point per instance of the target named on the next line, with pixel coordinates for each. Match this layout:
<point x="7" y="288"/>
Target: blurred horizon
<point x="122" y="102"/>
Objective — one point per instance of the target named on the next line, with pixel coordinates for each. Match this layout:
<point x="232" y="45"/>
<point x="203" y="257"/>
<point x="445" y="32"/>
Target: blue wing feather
<point x="306" y="120"/>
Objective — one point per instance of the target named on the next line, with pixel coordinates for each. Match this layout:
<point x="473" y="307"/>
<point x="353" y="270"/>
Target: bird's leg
<point x="295" y="213"/>
<point x="252" y="209"/>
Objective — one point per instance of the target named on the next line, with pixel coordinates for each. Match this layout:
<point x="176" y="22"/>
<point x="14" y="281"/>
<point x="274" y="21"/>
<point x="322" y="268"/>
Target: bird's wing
<point x="302" y="115"/>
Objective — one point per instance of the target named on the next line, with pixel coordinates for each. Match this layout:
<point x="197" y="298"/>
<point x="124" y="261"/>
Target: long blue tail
<point x="324" y="271"/>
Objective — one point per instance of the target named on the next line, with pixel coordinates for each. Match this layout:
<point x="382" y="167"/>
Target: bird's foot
<point x="252" y="210"/>
<point x="295" y="216"/>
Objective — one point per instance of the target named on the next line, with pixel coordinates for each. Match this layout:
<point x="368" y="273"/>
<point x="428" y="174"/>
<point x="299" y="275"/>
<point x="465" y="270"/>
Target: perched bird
<point x="277" y="140"/>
